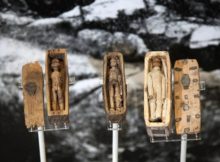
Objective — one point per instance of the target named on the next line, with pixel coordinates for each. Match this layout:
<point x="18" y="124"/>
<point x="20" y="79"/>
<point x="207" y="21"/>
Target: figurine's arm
<point x="110" y="75"/>
<point x="120" y="84"/>
<point x="51" y="76"/>
<point x="61" y="79"/>
<point x="149" y="87"/>
<point x="52" y="79"/>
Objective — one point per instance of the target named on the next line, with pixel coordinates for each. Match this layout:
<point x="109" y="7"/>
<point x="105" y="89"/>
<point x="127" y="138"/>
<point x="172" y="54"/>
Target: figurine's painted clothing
<point x="156" y="92"/>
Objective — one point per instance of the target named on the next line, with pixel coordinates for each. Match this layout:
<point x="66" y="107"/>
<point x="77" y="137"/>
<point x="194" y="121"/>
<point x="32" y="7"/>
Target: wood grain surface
<point x="32" y="82"/>
<point x="187" y="96"/>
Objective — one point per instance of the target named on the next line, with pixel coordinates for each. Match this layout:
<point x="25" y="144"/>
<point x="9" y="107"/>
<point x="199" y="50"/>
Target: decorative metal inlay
<point x="178" y="119"/>
<point x="178" y="69"/>
<point x="31" y="88"/>
<point x="193" y="68"/>
<point x="177" y="97"/>
<point x="186" y="130"/>
<point x="176" y="82"/>
<point x="197" y="116"/>
<point x="195" y="80"/>
<point x="185" y="61"/>
<point x="185" y="107"/>
<point x="188" y="118"/>
<point x="196" y="96"/>
<point x="185" y="80"/>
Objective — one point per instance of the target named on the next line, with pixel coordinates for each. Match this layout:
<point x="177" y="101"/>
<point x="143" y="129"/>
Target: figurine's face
<point x="55" y="64"/>
<point x="113" y="62"/>
<point x="156" y="62"/>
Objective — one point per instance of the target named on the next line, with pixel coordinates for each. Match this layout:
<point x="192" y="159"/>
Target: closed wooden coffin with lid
<point x="32" y="82"/>
<point x="187" y="96"/>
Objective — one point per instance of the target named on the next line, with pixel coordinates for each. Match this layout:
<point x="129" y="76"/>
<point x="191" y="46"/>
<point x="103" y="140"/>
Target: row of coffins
<point x="157" y="92"/>
<point x="57" y="90"/>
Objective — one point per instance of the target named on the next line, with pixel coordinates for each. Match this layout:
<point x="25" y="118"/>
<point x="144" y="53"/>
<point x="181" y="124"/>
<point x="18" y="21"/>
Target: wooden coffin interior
<point x="119" y="115"/>
<point x="166" y="113"/>
<point x="61" y="55"/>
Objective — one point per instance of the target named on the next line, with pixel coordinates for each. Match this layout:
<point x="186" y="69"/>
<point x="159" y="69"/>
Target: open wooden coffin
<point x="158" y="128"/>
<point x="32" y="82"/>
<point x="187" y="96"/>
<point x="57" y="88"/>
<point x="115" y="107"/>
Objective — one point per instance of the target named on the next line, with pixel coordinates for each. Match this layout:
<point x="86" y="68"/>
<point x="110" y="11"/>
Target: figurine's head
<point x="113" y="62"/>
<point x="156" y="62"/>
<point x="55" y="64"/>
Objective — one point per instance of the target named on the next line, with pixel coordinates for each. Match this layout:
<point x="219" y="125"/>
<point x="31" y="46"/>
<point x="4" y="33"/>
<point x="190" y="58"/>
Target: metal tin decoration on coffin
<point x="114" y="87"/>
<point x="32" y="82"/>
<point x="187" y="96"/>
<point x="157" y="93"/>
<point x="57" y="86"/>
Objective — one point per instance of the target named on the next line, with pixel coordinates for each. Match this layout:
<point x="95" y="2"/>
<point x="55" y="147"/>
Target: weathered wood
<point x="187" y="97"/>
<point x="32" y="82"/>
<point x="114" y="87"/>
<point x="157" y="93"/>
<point x="57" y="86"/>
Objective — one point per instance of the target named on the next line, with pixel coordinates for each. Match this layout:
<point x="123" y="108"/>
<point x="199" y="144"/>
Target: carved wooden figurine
<point x="114" y="87"/>
<point x="187" y="97"/>
<point x="57" y="84"/>
<point x="32" y="82"/>
<point x="157" y="93"/>
<point x="156" y="90"/>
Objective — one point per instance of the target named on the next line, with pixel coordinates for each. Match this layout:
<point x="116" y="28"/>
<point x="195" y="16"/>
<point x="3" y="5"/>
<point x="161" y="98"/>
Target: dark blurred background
<point x="89" y="28"/>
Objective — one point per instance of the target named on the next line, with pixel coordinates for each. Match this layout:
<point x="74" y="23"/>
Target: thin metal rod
<point x="183" y="148"/>
<point x="115" y="142"/>
<point x="41" y="144"/>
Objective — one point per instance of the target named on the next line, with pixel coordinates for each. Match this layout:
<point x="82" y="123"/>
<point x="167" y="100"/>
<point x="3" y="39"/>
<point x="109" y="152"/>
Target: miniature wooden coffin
<point x="157" y="93"/>
<point x="57" y="86"/>
<point x="187" y="97"/>
<point x="114" y="87"/>
<point x="32" y="82"/>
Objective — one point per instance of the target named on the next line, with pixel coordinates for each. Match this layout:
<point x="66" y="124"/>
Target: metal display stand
<point x="183" y="148"/>
<point x="184" y="137"/>
<point x="115" y="128"/>
<point x="47" y="127"/>
<point x="50" y="127"/>
<point x="173" y="137"/>
<point x="41" y="144"/>
<point x="115" y="142"/>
